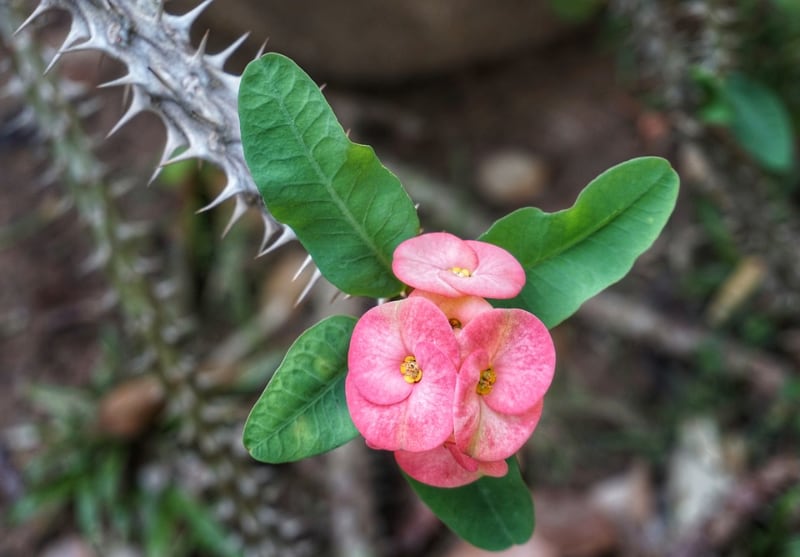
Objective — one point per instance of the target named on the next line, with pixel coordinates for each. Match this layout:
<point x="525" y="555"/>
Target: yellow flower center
<point x="486" y="382"/>
<point x="461" y="272"/>
<point x="455" y="323"/>
<point x="410" y="369"/>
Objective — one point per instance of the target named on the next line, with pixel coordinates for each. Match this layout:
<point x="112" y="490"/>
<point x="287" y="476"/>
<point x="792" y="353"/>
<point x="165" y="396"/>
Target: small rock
<point x="130" y="408"/>
<point x="629" y="498"/>
<point x="653" y="128"/>
<point x="512" y="177"/>
<point x="694" y="165"/>
<point x="699" y="479"/>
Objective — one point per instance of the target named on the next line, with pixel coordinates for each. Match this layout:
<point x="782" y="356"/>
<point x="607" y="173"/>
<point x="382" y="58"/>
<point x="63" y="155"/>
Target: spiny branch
<point x="186" y="87"/>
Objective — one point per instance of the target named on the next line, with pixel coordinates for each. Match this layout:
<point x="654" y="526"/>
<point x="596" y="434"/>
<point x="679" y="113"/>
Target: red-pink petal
<point x="440" y="467"/>
<point x="520" y="352"/>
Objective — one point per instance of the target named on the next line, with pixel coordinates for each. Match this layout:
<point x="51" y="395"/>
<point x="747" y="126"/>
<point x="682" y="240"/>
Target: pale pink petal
<point x="429" y="419"/>
<point x="436" y="467"/>
<point x="443" y="467"/>
<point x="467" y="405"/>
<point x="421" y="321"/>
<point x="426" y="261"/>
<point x="484" y="434"/>
<point x="384" y="336"/>
<point x="520" y="353"/>
<point x="495" y="468"/>
<point x="416" y="423"/>
<point x="375" y="354"/>
<point x="378" y="424"/>
<point x="466" y="462"/>
<point x="498" y="275"/>
<point x="463" y="309"/>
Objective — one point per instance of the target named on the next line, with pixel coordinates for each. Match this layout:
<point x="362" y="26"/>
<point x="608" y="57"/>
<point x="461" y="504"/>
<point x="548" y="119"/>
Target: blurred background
<point x="134" y="339"/>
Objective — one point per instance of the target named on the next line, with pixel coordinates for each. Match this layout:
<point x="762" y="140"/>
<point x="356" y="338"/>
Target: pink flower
<point x="441" y="263"/>
<point x="446" y="466"/>
<point x="403" y="361"/>
<point x="509" y="360"/>
<point x="459" y="311"/>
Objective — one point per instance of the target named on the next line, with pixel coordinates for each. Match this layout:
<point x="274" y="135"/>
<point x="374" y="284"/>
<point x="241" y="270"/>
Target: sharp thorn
<point x="304" y="294"/>
<point x="201" y="48"/>
<point x="230" y="189"/>
<point x="221" y="57"/>
<point x="306" y="262"/>
<point x="53" y="62"/>
<point x="137" y="105"/>
<point x="126" y="93"/>
<point x="270" y="226"/>
<point x="186" y="155"/>
<point x="186" y="20"/>
<point x="39" y="10"/>
<point x="261" y="49"/>
<point x="239" y="209"/>
<point x="126" y="79"/>
<point x="339" y="294"/>
<point x="287" y="235"/>
<point x="155" y="175"/>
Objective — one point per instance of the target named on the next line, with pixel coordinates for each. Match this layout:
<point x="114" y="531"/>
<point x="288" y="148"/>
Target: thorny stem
<point x="150" y="316"/>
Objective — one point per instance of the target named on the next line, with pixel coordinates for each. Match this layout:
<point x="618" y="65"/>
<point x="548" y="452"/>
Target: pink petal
<point x="498" y="275"/>
<point x="440" y="467"/>
<point x="495" y="468"/>
<point x="481" y="432"/>
<point x="519" y="350"/>
<point x="464" y="309"/>
<point x="421" y="321"/>
<point x="384" y="336"/>
<point x="426" y="261"/>
<point x="375" y="354"/>
<point x="416" y="423"/>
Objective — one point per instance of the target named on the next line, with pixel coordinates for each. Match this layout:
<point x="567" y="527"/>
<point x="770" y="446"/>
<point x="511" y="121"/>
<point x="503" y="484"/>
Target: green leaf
<point x="492" y="513"/>
<point x="571" y="255"/>
<point x="50" y="497"/>
<point x="303" y="411"/>
<point x="346" y="208"/>
<point x="715" y="108"/>
<point x="159" y="525"/>
<point x="205" y="531"/>
<point x="761" y="123"/>
<point x="87" y="509"/>
<point x="109" y="475"/>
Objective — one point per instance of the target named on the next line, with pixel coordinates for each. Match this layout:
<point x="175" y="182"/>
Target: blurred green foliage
<point x="103" y="484"/>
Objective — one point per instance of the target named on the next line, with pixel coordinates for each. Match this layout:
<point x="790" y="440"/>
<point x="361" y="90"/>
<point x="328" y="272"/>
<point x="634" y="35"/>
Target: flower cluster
<point x="450" y="384"/>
